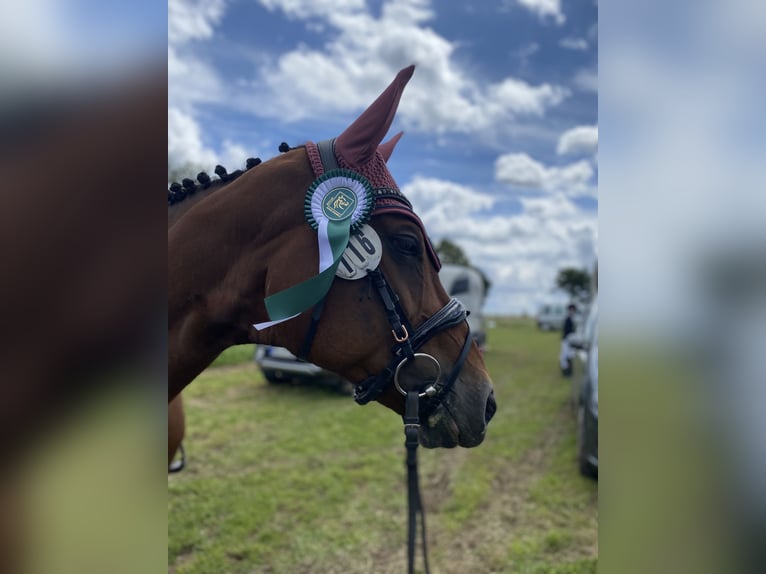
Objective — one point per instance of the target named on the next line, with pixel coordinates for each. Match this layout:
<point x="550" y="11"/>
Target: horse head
<point x="388" y="327"/>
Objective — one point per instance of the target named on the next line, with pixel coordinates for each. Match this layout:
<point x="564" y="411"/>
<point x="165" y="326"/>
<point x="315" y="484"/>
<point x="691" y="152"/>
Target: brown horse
<point x="250" y="240"/>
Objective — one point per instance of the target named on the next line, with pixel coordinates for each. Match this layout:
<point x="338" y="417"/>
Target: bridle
<point x="408" y="341"/>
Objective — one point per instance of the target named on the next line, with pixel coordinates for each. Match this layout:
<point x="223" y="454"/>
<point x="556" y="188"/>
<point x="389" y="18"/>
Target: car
<point x="587" y="412"/>
<point x="584" y="332"/>
<point x="579" y="342"/>
<point x="466" y="284"/>
<point x="280" y="366"/>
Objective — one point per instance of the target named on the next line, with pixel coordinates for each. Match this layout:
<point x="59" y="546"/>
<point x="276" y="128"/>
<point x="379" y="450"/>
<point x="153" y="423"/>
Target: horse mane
<point x="177" y="192"/>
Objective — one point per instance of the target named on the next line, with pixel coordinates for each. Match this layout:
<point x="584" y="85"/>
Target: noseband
<point x="409" y="341"/>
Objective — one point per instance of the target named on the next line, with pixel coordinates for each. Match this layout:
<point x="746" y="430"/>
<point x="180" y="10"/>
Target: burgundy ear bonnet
<point x="359" y="149"/>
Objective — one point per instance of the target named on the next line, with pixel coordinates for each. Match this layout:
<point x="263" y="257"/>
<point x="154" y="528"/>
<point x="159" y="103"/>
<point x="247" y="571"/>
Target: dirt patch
<point x="183" y="556"/>
<point x="511" y="514"/>
<point x="436" y="487"/>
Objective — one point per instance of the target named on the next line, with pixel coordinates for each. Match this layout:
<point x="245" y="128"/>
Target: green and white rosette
<point x="337" y="203"/>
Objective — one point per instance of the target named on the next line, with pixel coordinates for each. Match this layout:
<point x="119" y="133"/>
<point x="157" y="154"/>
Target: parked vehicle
<point x="581" y="338"/>
<point x="466" y="284"/>
<point x="550" y="316"/>
<point x="580" y="342"/>
<point x="280" y="366"/>
<point x="587" y="412"/>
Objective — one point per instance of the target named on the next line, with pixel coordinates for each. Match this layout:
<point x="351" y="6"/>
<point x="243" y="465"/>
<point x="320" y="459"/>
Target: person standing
<point x="567" y="354"/>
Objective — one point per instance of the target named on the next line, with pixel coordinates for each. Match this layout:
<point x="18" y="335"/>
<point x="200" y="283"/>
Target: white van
<point x="466" y="284"/>
<point x="550" y="316"/>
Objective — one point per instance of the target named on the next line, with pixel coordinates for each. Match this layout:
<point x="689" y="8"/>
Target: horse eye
<point x="406" y="244"/>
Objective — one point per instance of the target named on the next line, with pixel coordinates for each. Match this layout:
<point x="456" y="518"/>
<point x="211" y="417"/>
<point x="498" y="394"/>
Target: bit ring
<point x="430" y="389"/>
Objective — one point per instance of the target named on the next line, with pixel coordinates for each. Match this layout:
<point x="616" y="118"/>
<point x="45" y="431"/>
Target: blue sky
<point x="500" y="118"/>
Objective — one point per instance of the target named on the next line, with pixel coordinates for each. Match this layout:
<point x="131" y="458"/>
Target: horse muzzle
<point x="460" y="419"/>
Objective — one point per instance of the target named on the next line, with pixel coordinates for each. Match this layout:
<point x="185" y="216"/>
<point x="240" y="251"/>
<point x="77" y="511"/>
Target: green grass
<point x="235" y="356"/>
<point x="297" y="479"/>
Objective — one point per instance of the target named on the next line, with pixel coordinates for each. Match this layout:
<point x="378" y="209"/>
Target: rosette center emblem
<point x="339" y="204"/>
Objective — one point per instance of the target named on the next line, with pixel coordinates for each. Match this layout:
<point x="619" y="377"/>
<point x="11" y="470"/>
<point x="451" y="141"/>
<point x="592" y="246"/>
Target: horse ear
<point x="387" y="148"/>
<point x="359" y="142"/>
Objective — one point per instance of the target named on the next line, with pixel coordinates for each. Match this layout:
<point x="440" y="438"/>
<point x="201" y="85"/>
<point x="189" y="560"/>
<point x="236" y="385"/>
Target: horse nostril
<point x="491" y="407"/>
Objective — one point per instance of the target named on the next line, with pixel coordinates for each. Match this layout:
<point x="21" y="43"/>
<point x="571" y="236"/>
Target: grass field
<point x="300" y="480"/>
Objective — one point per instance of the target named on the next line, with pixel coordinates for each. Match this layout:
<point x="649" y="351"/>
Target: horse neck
<point x="218" y="256"/>
<point x="177" y="210"/>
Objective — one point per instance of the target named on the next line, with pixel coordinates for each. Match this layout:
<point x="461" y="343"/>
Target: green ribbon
<point x="300" y="297"/>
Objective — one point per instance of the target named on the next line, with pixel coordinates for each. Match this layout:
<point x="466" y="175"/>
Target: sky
<point x="500" y="117"/>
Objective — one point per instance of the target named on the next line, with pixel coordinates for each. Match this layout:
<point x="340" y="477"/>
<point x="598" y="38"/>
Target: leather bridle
<point x="408" y="340"/>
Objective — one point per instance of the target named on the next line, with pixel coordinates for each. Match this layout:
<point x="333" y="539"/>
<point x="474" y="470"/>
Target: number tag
<point x="362" y="254"/>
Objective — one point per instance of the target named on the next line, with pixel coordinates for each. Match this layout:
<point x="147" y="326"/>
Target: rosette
<point x="337" y="203"/>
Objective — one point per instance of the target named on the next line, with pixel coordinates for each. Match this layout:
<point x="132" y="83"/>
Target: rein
<point x="408" y="340"/>
<point x="414" y="502"/>
<point x="448" y="316"/>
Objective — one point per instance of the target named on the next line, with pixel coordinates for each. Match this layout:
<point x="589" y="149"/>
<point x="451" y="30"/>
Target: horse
<point x="234" y="252"/>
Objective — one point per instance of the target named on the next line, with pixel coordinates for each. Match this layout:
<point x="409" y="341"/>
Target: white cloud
<point x="545" y="9"/>
<point x="445" y="205"/>
<point x="579" y="140"/>
<point x="187" y="148"/>
<point x="579" y="44"/>
<point x="364" y="55"/>
<point x="522" y="251"/>
<point x="191" y="81"/>
<point x="234" y="155"/>
<point x="193" y="19"/>
<point x="520" y="170"/>
<point x="302" y="9"/>
<point x="185" y="142"/>
<point x="523" y="99"/>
